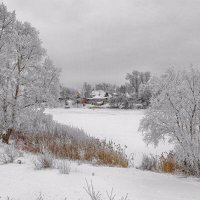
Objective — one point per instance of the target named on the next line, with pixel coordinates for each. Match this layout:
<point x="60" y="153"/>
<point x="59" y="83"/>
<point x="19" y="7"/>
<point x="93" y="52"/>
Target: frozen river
<point x="120" y="126"/>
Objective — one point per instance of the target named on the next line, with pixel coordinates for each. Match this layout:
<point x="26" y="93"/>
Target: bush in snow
<point x="164" y="163"/>
<point x="43" y="161"/>
<point x="64" y="166"/>
<point x="149" y="162"/>
<point x="9" y="154"/>
<point x="131" y="160"/>
<point x="168" y="162"/>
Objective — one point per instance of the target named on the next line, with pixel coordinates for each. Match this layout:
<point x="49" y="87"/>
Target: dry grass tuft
<point x="164" y="163"/>
<point x="64" y="146"/>
<point x="167" y="162"/>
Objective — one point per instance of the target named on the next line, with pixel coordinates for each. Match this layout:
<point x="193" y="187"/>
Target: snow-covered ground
<point x="22" y="182"/>
<point x="121" y="126"/>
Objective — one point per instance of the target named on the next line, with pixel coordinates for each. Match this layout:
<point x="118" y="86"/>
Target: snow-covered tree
<point x="175" y="114"/>
<point x="86" y="90"/>
<point x="28" y="79"/>
<point x="106" y="87"/>
<point x="136" y="79"/>
<point x="7" y="21"/>
<point x="122" y="90"/>
<point x="68" y="93"/>
<point x="144" y="95"/>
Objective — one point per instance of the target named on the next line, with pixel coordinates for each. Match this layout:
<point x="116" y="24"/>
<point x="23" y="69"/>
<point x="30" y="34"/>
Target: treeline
<point x="135" y="92"/>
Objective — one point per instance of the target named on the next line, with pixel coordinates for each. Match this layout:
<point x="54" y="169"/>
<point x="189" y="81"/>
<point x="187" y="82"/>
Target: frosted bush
<point x="9" y="154"/>
<point x="43" y="161"/>
<point x="64" y="166"/>
<point x="131" y="160"/>
<point x="149" y="163"/>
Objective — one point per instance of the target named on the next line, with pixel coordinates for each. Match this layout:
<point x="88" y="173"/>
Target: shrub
<point x="167" y="162"/>
<point x="149" y="163"/>
<point x="43" y="161"/>
<point x="164" y="163"/>
<point x="9" y="154"/>
<point x="184" y="165"/>
<point x="64" y="166"/>
<point x="131" y="160"/>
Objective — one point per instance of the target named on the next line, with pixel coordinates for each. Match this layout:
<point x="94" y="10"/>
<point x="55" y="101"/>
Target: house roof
<point x="99" y="94"/>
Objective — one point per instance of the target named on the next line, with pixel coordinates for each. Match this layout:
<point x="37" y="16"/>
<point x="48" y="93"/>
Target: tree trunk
<point x="6" y="137"/>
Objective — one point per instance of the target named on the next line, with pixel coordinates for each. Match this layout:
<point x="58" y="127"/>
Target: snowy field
<point x="121" y="126"/>
<point x="22" y="182"/>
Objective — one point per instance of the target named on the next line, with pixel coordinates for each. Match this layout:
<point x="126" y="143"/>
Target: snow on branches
<point x="28" y="78"/>
<point x="175" y="114"/>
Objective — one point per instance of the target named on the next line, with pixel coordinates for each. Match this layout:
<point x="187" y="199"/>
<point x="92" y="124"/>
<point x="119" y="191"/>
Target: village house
<point x="99" y="97"/>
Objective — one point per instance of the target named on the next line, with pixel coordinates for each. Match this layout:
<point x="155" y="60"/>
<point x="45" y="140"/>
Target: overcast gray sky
<point x="102" y="40"/>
